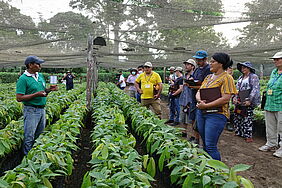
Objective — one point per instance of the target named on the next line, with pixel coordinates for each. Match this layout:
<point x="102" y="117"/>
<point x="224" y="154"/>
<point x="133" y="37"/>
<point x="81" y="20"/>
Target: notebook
<point x="244" y="94"/>
<point x="193" y="82"/>
<point x="209" y="95"/>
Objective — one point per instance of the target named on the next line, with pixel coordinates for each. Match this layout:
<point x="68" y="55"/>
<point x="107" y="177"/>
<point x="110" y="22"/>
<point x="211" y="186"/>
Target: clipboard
<point x="192" y="82"/>
<point x="209" y="95"/>
<point x="244" y="94"/>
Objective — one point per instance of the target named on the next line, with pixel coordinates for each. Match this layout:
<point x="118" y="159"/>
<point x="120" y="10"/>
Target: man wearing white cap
<point x="174" y="107"/>
<point x="151" y="88"/>
<point x="273" y="108"/>
<point x="187" y="109"/>
<point x="172" y="76"/>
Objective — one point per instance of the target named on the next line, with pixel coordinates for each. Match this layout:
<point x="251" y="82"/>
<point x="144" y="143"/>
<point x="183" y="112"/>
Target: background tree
<point x="155" y="24"/>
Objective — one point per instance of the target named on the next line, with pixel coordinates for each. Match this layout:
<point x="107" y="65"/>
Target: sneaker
<point x="193" y="140"/>
<point x="175" y="123"/>
<point x="267" y="148"/>
<point x="278" y="153"/>
<point x="169" y="121"/>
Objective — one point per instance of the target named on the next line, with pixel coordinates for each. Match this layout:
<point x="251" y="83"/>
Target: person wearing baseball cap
<point x="31" y="91"/>
<point x="273" y="108"/>
<point x="185" y="99"/>
<point x="151" y="88"/>
<point x="69" y="80"/>
<point x="172" y="76"/>
<point x="174" y="107"/>
<point x="200" y="73"/>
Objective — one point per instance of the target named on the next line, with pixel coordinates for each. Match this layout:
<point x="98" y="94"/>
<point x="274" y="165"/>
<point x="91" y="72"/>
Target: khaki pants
<point x="273" y="123"/>
<point x="155" y="104"/>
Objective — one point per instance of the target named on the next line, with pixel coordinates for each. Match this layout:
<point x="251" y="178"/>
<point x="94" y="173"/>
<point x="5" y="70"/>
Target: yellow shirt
<point x="227" y="86"/>
<point x="148" y="83"/>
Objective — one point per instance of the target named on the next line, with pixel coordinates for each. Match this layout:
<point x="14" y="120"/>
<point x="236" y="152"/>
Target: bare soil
<point x="266" y="170"/>
<point x="82" y="156"/>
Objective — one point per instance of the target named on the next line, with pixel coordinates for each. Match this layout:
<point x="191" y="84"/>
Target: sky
<point x="48" y="8"/>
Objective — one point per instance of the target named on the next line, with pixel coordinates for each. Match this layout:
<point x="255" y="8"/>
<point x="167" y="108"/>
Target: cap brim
<point x="198" y="57"/>
<point x="275" y="57"/>
<point x="40" y="61"/>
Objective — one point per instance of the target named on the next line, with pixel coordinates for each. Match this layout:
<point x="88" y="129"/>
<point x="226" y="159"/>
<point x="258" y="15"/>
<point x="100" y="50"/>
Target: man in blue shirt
<point x="198" y="75"/>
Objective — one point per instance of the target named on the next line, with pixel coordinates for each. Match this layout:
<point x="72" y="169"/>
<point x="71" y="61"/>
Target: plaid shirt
<point x="274" y="101"/>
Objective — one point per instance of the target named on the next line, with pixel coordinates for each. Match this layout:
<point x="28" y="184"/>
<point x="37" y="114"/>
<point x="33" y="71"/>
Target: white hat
<point x="171" y="68"/>
<point x="148" y="64"/>
<point x="191" y="61"/>
<point x="278" y="55"/>
<point x="179" y="69"/>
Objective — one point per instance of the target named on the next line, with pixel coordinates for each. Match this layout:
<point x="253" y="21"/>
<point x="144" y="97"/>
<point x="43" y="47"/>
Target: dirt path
<point x="82" y="156"/>
<point x="266" y="170"/>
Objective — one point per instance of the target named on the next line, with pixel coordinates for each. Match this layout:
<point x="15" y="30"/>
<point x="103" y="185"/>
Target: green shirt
<point x="26" y="85"/>
<point x="274" y="92"/>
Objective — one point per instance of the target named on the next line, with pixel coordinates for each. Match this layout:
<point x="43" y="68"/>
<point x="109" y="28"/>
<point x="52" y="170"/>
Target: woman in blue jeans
<point x="212" y="116"/>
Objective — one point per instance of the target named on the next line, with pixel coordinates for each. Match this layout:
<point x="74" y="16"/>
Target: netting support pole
<point x="90" y="73"/>
<point x="261" y="71"/>
<point x="164" y="75"/>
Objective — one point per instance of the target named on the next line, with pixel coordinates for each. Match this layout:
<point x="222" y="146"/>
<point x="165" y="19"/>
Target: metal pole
<point x="164" y="75"/>
<point x="90" y="72"/>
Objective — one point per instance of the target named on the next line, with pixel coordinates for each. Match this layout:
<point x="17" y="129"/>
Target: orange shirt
<point x="226" y="84"/>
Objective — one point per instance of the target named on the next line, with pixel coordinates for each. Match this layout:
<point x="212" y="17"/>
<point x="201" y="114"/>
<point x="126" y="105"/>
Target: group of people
<point x="201" y="93"/>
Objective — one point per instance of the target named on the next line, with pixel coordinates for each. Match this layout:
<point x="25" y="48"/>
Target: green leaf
<point x="232" y="176"/>
<point x="218" y="165"/>
<point x="230" y="184"/>
<point x="188" y="182"/>
<point x="124" y="182"/>
<point x="155" y="146"/>
<point x="47" y="183"/>
<point x="105" y="152"/>
<point x="3" y="184"/>
<point x="176" y="170"/>
<point x="145" y="161"/>
<point x="173" y="178"/>
<point x="246" y="183"/>
<point x="97" y="150"/>
<point x="151" y="169"/>
<point x="206" y="180"/>
<point x="97" y="175"/>
<point x="202" y="165"/>
<point x="86" y="181"/>
<point x="240" y="167"/>
<point x="18" y="183"/>
<point x="161" y="161"/>
<point x="142" y="178"/>
<point x="44" y="166"/>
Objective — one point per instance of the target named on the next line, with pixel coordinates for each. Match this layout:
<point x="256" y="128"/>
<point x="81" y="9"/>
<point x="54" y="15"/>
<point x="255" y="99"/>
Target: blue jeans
<point x="138" y="97"/>
<point x="210" y="126"/>
<point x="174" y="109"/>
<point x="34" y="124"/>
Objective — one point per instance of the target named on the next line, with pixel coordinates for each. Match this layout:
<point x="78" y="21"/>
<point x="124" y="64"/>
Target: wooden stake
<point x="90" y="72"/>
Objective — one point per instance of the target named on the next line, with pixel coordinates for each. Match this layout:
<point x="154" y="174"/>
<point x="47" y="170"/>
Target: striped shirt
<point x="274" y="92"/>
<point x="226" y="84"/>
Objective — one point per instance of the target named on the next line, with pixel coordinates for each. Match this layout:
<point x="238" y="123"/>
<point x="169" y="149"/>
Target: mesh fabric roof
<point x="165" y="32"/>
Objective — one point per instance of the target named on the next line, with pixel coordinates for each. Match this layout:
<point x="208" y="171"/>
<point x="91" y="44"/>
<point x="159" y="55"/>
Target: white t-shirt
<point x="121" y="79"/>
